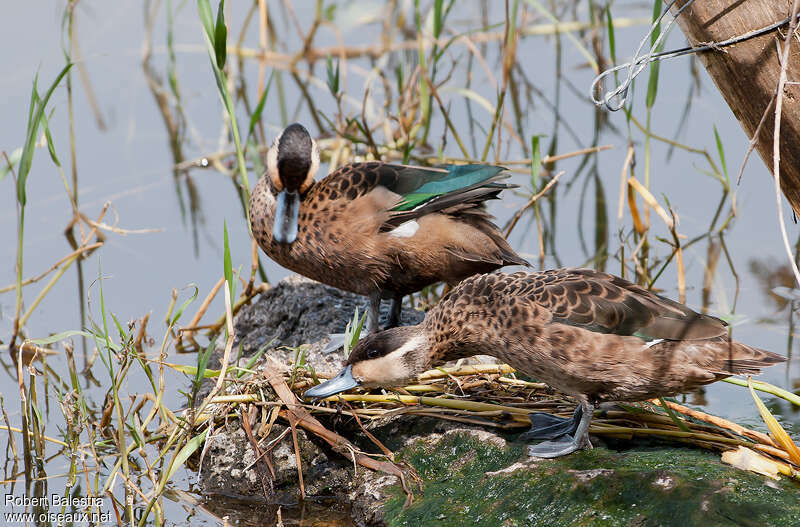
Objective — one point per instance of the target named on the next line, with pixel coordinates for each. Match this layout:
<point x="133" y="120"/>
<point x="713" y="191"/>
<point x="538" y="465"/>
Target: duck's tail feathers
<point x="742" y="359"/>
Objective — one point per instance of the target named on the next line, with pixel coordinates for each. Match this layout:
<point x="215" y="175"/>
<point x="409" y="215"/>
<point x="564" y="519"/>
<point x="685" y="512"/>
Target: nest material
<point x="492" y="396"/>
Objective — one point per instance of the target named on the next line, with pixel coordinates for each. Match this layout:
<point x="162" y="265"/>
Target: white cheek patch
<point x="314" y="160"/>
<point x="391" y="369"/>
<point x="272" y="163"/>
<point x="653" y="343"/>
<point x="405" y="230"/>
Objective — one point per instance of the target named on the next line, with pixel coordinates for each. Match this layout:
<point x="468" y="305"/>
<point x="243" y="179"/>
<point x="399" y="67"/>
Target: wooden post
<point x="747" y="74"/>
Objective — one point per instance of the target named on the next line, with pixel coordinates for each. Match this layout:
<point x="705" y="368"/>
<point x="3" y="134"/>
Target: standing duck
<point x="588" y="334"/>
<point x="376" y="229"/>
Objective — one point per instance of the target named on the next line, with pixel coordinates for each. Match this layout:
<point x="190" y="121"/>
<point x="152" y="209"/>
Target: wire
<point x="615" y="99"/>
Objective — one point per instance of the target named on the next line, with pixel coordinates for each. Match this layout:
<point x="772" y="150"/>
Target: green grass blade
<point x="672" y="415"/>
<point x="536" y="162"/>
<point x="657" y="6"/>
<point x="333" y="76"/>
<point x="51" y="148"/>
<point x="35" y="121"/>
<point x="721" y="154"/>
<point x="437" y="18"/>
<point x="59" y="336"/>
<point x="219" y="76"/>
<point x="766" y="388"/>
<point x="202" y="362"/>
<point x="652" y="83"/>
<point x="184" y="305"/>
<point x="226" y="260"/>
<point x="207" y="18"/>
<point x="221" y="36"/>
<point x="612" y="41"/>
<point x="188" y="449"/>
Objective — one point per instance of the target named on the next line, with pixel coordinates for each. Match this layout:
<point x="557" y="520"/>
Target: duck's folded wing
<point x="608" y="304"/>
<point x="453" y="189"/>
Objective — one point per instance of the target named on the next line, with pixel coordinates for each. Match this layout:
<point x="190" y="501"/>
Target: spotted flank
<point x="589" y="334"/>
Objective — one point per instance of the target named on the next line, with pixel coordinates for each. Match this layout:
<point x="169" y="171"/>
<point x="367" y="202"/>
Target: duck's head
<point x="388" y="358"/>
<point x="292" y="161"/>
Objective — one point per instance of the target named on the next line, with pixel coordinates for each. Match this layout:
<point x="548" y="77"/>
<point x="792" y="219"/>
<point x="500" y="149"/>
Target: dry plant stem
<point x="228" y="344"/>
<point x="71" y="255"/>
<point x="61" y="270"/>
<point x="141" y="333"/>
<point x="262" y="40"/>
<point x="337" y="442"/>
<point x="202" y="309"/>
<point x="245" y="417"/>
<point x="599" y="429"/>
<point x="720" y="422"/>
<point x="293" y="426"/>
<point x="651" y="201"/>
<point x="754" y="140"/>
<point x="476" y="369"/>
<point x="530" y="203"/>
<point x="445" y="114"/>
<point x="678" y="258"/>
<point x="386" y="452"/>
<point x="520" y="414"/>
<point x="623" y="180"/>
<point x="776" y="136"/>
<point x="10" y="429"/>
<point x="378" y="50"/>
<point x="253" y="267"/>
<point x="11" y="441"/>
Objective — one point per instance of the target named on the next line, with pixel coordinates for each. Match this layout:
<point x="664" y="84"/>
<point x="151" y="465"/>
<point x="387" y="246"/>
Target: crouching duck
<point x="375" y="229"/>
<point x="588" y="334"/>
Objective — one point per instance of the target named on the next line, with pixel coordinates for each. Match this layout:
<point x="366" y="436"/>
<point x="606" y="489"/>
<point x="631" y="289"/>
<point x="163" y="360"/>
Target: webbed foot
<point x="570" y="440"/>
<point x="558" y="447"/>
<point x="548" y="426"/>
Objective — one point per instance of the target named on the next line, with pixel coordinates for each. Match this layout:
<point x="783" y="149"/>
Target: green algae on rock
<point x="469" y="480"/>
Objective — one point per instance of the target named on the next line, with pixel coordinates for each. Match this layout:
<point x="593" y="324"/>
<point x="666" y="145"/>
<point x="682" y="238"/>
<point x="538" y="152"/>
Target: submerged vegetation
<point x="408" y="82"/>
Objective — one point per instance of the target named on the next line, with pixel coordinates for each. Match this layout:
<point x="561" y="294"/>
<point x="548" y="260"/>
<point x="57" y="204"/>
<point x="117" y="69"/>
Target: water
<point x="129" y="162"/>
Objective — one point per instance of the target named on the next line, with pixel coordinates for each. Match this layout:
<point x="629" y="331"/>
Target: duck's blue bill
<point x="284" y="228"/>
<point x="342" y="382"/>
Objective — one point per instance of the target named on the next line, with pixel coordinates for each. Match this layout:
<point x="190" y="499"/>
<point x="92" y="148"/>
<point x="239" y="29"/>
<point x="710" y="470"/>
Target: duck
<point x="588" y="334"/>
<point x="376" y="229"/>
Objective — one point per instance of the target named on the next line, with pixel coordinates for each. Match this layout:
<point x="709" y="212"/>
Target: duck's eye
<point x="372" y="353"/>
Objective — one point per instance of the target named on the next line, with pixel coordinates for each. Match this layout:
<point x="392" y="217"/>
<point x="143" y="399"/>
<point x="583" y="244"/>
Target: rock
<point x="228" y="467"/>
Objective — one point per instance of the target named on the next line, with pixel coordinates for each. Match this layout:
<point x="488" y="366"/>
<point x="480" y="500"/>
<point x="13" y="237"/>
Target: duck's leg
<point x="394" y="311"/>
<point x="547" y="426"/>
<point x="567" y="443"/>
<point x="373" y="312"/>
